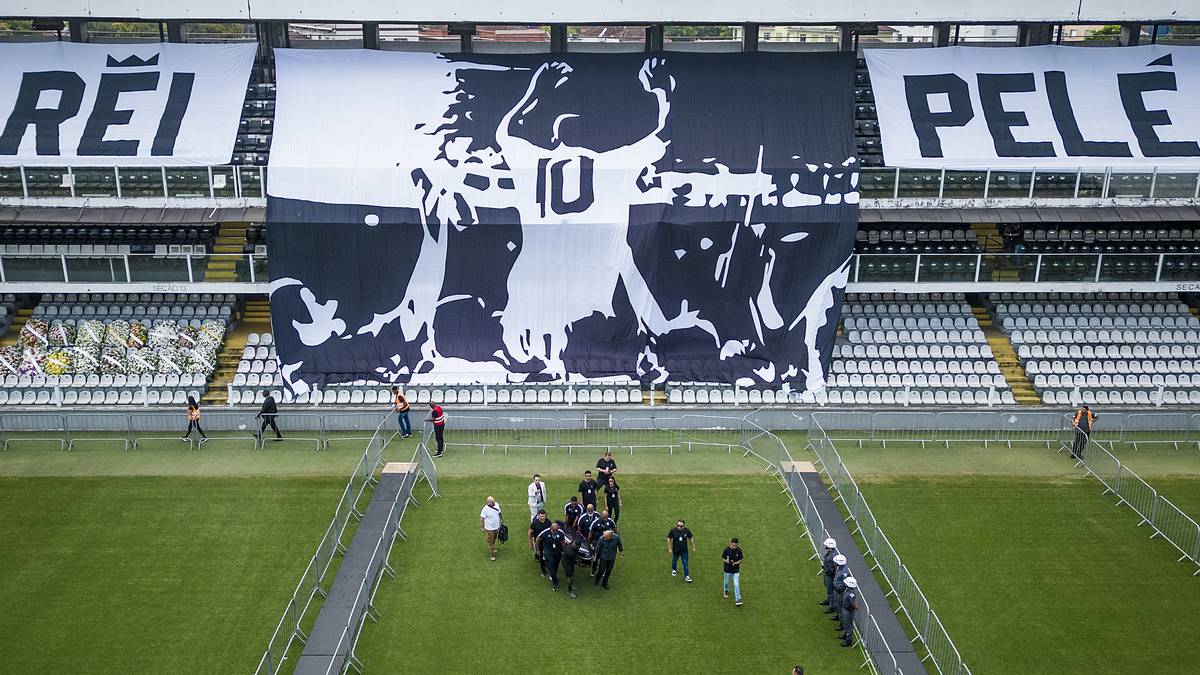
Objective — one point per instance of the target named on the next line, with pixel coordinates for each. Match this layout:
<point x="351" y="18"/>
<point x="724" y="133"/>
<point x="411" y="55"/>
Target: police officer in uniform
<point x="550" y="542"/>
<point x="829" y="567"/>
<point x="536" y="526"/>
<point x="849" y="609"/>
<point x="840" y="572"/>
<point x="572" y="511"/>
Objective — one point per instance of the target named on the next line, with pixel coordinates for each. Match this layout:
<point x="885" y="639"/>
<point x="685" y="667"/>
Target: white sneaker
<point x="688" y="579"/>
<point x="738" y="603"/>
<point x="725" y="594"/>
<point x="672" y="572"/>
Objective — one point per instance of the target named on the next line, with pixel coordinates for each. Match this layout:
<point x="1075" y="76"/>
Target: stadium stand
<point x="258" y="370"/>
<point x="1106" y="348"/>
<point x="910" y="350"/>
<point x="115" y="349"/>
<point x="116" y="239"/>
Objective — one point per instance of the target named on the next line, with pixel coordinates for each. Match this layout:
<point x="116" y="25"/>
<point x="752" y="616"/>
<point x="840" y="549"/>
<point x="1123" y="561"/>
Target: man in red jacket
<point x="438" y="417"/>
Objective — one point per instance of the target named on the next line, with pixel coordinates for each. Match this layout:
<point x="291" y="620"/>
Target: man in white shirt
<point x="537" y="496"/>
<point x="490" y="521"/>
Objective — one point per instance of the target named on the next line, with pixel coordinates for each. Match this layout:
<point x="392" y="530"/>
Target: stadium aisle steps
<point x="231" y="239"/>
<point x="988" y="236"/>
<point x="14" y="331"/>
<point x="256" y="318"/>
<point x="1006" y="356"/>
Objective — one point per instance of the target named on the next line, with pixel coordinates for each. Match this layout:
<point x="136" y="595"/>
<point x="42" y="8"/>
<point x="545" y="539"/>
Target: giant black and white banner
<point x="69" y="104"/>
<point x="436" y="218"/>
<point x="1035" y="107"/>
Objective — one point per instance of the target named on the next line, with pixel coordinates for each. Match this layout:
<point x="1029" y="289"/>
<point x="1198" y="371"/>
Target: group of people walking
<point x="268" y="413"/>
<point x="841" y="592"/>
<point x="587" y="536"/>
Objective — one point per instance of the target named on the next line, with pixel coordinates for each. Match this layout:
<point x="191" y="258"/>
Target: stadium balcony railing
<point x="1032" y="184"/>
<point x="249" y="182"/>
<point x="932" y="268"/>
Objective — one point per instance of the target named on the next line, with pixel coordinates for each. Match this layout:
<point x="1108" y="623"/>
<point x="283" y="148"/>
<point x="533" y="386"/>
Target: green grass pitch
<point x="169" y="560"/>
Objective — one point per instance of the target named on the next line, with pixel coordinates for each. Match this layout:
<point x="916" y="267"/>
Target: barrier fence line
<point x="1160" y="513"/>
<point x="939" y="647"/>
<point x="762" y="443"/>
<point x="364" y="608"/>
<point x="289" y="629"/>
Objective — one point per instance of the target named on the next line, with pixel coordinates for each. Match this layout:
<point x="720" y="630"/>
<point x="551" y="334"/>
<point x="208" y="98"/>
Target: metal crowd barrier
<point x="221" y="425"/>
<point x="939" y="428"/>
<point x="939" y="647"/>
<point x="596" y="432"/>
<point x="1160" y="428"/>
<point x="1166" y="519"/>
<point x="290" y="626"/>
<point x="876" y="651"/>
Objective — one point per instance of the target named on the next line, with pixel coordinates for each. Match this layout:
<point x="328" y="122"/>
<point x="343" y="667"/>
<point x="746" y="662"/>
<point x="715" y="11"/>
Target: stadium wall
<point x="616" y="11"/>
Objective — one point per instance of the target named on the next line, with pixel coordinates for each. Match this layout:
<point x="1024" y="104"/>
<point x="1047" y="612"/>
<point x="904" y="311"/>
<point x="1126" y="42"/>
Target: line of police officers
<point x="841" y="591"/>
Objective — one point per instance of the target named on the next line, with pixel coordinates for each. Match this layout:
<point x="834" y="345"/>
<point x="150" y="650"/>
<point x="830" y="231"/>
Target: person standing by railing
<point x="438" y="417"/>
<point x="849" y="609"/>
<point x="400" y="407"/>
<point x="828" y="567"/>
<point x="839" y="585"/>
<point x="1084" y="417"/>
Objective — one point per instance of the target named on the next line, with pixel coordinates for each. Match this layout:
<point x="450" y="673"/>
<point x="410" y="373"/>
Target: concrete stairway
<point x="14" y="330"/>
<point x="255" y="318"/>
<point x="989" y="237"/>
<point x="231" y="239"/>
<point x="1006" y="356"/>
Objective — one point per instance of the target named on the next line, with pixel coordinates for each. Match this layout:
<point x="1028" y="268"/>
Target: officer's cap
<point x="851" y="582"/>
<point x="830" y="543"/>
<point x="839" y="559"/>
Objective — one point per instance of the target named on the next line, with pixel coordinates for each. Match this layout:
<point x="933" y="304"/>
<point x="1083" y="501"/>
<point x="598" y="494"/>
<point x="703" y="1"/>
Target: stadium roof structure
<point x="618" y="11"/>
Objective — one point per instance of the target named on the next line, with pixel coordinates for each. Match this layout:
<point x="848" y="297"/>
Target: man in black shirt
<point x="587" y="489"/>
<point x="572" y="511"/>
<point x="608" y="547"/>
<point x="550" y="543"/>
<point x="584" y="523"/>
<point x="606" y="468"/>
<point x="732" y="556"/>
<point x="267" y="415"/>
<point x="612" y="499"/>
<point x="536" y="527"/>
<point x="598" y="527"/>
<point x="677" y="546"/>
<point x="570" y="553"/>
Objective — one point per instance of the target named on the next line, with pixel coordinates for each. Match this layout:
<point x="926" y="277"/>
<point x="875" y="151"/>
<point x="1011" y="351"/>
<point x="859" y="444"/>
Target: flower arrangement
<point x="62" y="335"/>
<point x="59" y="362"/>
<point x="35" y="334"/>
<point x="139" y="335"/>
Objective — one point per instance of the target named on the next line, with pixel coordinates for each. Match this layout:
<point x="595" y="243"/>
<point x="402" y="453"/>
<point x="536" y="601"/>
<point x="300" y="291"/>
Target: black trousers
<point x="194" y="424"/>
<point x="540" y="561"/>
<point x="1081" y="439"/>
<point x="604" y="572"/>
<point x="551" y="563"/>
<point x="269" y="421"/>
<point x="440" y="434"/>
<point x="614" y="510"/>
